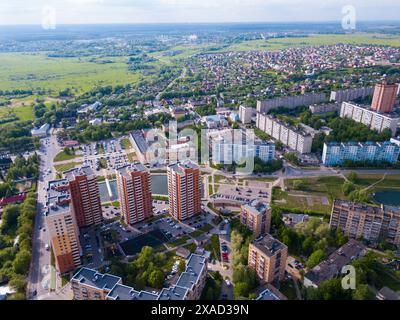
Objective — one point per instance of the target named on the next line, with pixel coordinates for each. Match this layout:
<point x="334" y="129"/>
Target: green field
<point x="284" y="43"/>
<point x="39" y="72"/>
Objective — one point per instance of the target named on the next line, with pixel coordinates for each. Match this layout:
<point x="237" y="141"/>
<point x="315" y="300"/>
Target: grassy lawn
<point x="178" y="242"/>
<point x="191" y="247"/>
<point x="62" y="156"/>
<point x="67" y="166"/>
<point x="287" y="288"/>
<point x="196" y="233"/>
<point x="126" y="144"/>
<point x="210" y="187"/>
<point x="103" y="163"/>
<point x="132" y="157"/>
<point x="390" y="181"/>
<point x="331" y="186"/>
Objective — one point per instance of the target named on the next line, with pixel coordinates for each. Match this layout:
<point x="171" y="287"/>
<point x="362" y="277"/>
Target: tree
<point x="21" y="262"/>
<point x="156" y="279"/>
<point x="241" y="290"/>
<point x="352" y="177"/>
<point x="182" y="266"/>
<point x="315" y="258"/>
<point x="363" y="292"/>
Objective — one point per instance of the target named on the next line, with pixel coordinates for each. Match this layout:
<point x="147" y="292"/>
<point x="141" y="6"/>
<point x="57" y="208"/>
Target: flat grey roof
<point x="78" y="172"/>
<point x="192" y="273"/>
<point x="122" y="292"/>
<point x="97" y="280"/>
<point x="173" y="293"/>
<point x="125" y="170"/>
<point x="268" y="245"/>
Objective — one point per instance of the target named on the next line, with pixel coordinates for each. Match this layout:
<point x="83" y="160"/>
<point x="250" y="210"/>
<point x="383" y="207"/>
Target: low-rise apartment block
<point x="372" y="119"/>
<point x="332" y="267"/>
<point x="290" y="102"/>
<point x="347" y="95"/>
<point x="369" y="222"/>
<point x="296" y="138"/>
<point x="229" y="146"/>
<point x="88" y="284"/>
<point x="335" y="154"/>
<point x="257" y="217"/>
<point x="267" y="256"/>
<point x="325" y="108"/>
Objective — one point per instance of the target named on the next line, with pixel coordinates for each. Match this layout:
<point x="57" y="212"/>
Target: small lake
<point x="159" y="186"/>
<point x="390" y="198"/>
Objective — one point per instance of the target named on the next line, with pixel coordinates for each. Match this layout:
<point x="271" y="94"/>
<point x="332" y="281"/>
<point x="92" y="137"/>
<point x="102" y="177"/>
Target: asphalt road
<point x="39" y="277"/>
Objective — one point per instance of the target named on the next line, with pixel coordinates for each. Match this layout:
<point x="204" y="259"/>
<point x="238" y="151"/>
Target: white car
<point x="47" y="247"/>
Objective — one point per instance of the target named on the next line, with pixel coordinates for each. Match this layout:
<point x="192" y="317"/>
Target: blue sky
<point x="150" y="11"/>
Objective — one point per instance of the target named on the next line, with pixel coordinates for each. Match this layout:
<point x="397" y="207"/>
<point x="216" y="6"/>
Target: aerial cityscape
<point x="188" y="159"/>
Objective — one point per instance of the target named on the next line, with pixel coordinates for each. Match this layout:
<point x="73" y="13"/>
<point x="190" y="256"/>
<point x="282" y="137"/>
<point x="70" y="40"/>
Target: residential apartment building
<point x="85" y="196"/>
<point x="324" y="108"/>
<point x="290" y="102"/>
<point x="62" y="227"/>
<point x="385" y="97"/>
<point x="88" y="284"/>
<point x="134" y="190"/>
<point x="267" y="256"/>
<point x="257" y="217"/>
<point x="335" y="154"/>
<point x="369" y="222"/>
<point x="245" y="114"/>
<point x="230" y="146"/>
<point x="184" y="190"/>
<point x="332" y="267"/>
<point x="347" y="95"/>
<point x="295" y="138"/>
<point x="372" y="119"/>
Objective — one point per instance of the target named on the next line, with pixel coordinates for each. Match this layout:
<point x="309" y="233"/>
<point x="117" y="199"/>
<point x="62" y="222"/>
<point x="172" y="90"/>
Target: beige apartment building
<point x="134" y="189"/>
<point x="62" y="227"/>
<point x="267" y="256"/>
<point x="184" y="190"/>
<point x="257" y="217"/>
<point x="369" y="222"/>
<point x="85" y="196"/>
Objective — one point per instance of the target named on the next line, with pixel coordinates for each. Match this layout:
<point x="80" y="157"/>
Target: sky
<point x="13" y="12"/>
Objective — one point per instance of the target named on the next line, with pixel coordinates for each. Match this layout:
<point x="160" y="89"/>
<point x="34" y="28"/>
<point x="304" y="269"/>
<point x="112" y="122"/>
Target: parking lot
<point x="91" y="248"/>
<point x="109" y="153"/>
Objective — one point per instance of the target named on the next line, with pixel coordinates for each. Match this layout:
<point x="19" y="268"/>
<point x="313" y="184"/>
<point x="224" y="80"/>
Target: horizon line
<point x="198" y="22"/>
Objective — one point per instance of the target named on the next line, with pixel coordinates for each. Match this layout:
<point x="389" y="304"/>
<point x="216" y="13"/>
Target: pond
<point x="390" y="198"/>
<point x="159" y="186"/>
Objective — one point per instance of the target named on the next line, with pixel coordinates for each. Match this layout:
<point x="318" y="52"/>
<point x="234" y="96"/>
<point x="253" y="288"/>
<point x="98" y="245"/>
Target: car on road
<point x="47" y="247"/>
<point x="228" y="283"/>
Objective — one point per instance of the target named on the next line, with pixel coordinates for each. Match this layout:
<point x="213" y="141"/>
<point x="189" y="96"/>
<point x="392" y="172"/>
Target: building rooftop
<point x="173" y="293"/>
<point x="117" y="291"/>
<point x="140" y="141"/>
<point x="78" y="172"/>
<point x="329" y="268"/>
<point x="256" y="207"/>
<point x="387" y="294"/>
<point x="194" y="268"/>
<point x="97" y="280"/>
<point x="182" y="166"/>
<point x="58" y="197"/>
<point x="268" y="245"/>
<point x="126" y="170"/>
<point x="122" y="292"/>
